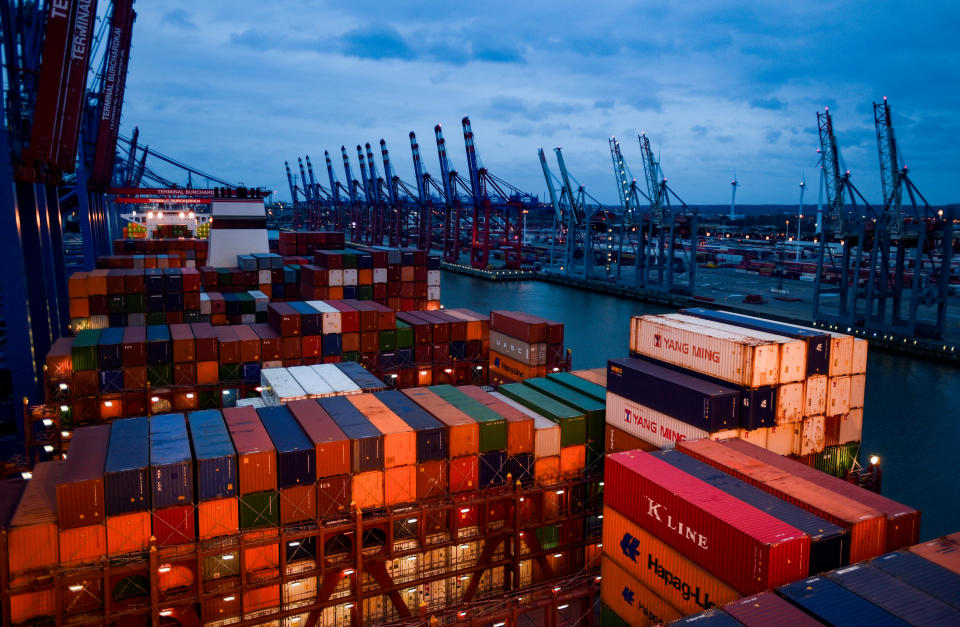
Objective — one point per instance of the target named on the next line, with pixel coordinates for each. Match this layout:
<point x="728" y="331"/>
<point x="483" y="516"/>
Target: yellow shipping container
<point x="631" y="600"/>
<point x="659" y="567"/>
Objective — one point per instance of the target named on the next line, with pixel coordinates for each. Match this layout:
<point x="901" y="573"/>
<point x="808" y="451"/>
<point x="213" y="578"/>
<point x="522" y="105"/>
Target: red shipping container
<point x="432" y="479"/>
<point x="59" y="362"/>
<point x="400" y="485"/>
<point x="174" y="525"/>
<point x="265" y="557"/>
<point x="519" y="325"/>
<point x="191" y="301"/>
<point x="333" y="495"/>
<point x="134" y="404"/>
<point x="270" y="349"/>
<point x="310" y="345"/>
<point x="332" y="445"/>
<point x="256" y="455"/>
<point x="284" y="319"/>
<point x="902" y="521"/>
<point x="867" y="526"/>
<point x="349" y="317"/>
<point x="249" y="344"/>
<point x="184" y="346"/>
<point x="464" y="473"/>
<point x="367" y="489"/>
<point x="32" y="605"/>
<point x="229" y="345"/>
<point x="207" y="344"/>
<point x="191" y="279"/>
<point x="350" y="342"/>
<point x="740" y="544"/>
<point x="208" y="372"/>
<point x="290" y="348"/>
<point x="83" y="545"/>
<point x="80" y="492"/>
<point x="298" y="503"/>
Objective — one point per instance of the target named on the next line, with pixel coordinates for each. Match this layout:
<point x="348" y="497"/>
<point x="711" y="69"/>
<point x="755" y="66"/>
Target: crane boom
<point x="890" y="174"/>
<point x="548" y="177"/>
<point x="351" y="183"/>
<point x="307" y="191"/>
<point x="293" y="187"/>
<point x="388" y="173"/>
<point x="444" y="166"/>
<point x="417" y="167"/>
<point x="651" y="171"/>
<point x="834" y="221"/>
<point x="578" y="212"/>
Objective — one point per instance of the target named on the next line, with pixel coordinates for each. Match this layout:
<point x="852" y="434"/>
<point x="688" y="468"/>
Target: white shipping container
<point x="815" y="395"/>
<point x="339" y="382"/>
<point x="311" y="382"/>
<point x="841" y="352"/>
<point x="263" y="277"/>
<point x="858" y="389"/>
<point x="272" y="364"/>
<point x="278" y="387"/>
<point x="204" y="304"/>
<point x="546" y="432"/>
<point x="433" y="292"/>
<point x="851" y="426"/>
<point x="529" y="354"/>
<point x="349" y="276"/>
<point x="649" y="425"/>
<point x="793" y="352"/>
<point x="784" y="439"/>
<point x="754" y="436"/>
<point x="727" y="356"/>
<point x="790" y="402"/>
<point x="812" y="435"/>
<point x="330" y="319"/>
<point x="299" y="592"/>
<point x="858" y="361"/>
<point x="379" y="275"/>
<point x="433" y="278"/>
<point x="335" y="278"/>
<point x="250" y="402"/>
<point x="838" y="396"/>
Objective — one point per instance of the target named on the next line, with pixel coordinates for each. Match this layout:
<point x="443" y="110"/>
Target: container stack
<point x="915" y="586"/>
<point x="794" y="391"/>
<point x="689" y="529"/>
<point x="306" y="243"/>
<point x="191" y="251"/>
<point x="523" y="346"/>
<point x="248" y="511"/>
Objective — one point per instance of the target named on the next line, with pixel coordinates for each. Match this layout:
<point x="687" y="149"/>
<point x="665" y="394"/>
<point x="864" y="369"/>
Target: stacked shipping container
<point x="523" y="346"/>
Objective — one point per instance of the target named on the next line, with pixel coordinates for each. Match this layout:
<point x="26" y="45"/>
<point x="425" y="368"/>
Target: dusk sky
<point x="235" y="88"/>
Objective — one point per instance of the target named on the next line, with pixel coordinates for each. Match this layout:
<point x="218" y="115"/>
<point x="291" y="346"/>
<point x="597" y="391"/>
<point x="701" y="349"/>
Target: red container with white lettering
<point x="742" y="545"/>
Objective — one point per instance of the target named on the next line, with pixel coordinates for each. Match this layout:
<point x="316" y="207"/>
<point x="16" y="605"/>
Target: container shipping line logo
<point x="630" y="598"/>
<point x="497" y="363"/>
<point x="685" y="348"/>
<point x="630" y="546"/>
<point x="634" y="416"/>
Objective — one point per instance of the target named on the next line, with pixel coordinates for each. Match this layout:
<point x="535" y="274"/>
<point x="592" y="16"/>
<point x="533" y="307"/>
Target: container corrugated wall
<point x="171" y="461"/>
<point x="126" y="482"/>
<point x="631" y="600"/>
<point x="80" y="496"/>
<point x="650" y="426"/>
<point x="256" y="454"/>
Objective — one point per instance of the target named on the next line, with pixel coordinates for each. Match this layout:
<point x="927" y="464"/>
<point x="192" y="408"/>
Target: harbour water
<point x="910" y="414"/>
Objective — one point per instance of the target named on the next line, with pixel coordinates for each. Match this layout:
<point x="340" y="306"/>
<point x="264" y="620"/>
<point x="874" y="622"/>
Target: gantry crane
<point x="632" y="225"/>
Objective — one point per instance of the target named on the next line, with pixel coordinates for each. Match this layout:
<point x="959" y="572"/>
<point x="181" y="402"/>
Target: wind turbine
<point x="733" y="197"/>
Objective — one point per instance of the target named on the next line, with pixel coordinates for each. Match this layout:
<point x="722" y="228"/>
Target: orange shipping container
<point x="261" y="557"/>
<point x="617" y="440"/>
<point x="432" y="479"/>
<point x="593" y="375"/>
<point x="332" y="445"/>
<point x="464" y="430"/>
<point x="572" y="459"/>
<point x="129" y="533"/>
<point x="208" y="372"/>
<point x="399" y="439"/>
<point x="546" y="470"/>
<point x="678" y="580"/>
<point x="83" y="545"/>
<point x="400" y="485"/>
<point x="77" y="285"/>
<point x="298" y="503"/>
<point x="261" y="598"/>
<point x="79" y="307"/>
<point x="513" y="370"/>
<point x="368" y="489"/>
<point x="631" y="600"/>
<point x="31" y="605"/>
<point x="218" y="517"/>
<point x="256" y="455"/>
<point x="520" y="430"/>
<point x="32" y="537"/>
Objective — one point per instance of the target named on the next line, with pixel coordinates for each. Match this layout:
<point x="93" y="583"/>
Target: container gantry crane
<point x="632" y="226"/>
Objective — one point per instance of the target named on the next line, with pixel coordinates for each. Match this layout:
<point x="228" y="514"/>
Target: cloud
<point x="509" y="107"/>
<point x="699" y="130"/>
<point x="771" y="104"/>
<point x="252" y="38"/>
<point x="375" y="42"/>
<point x="497" y="54"/>
<point x="773" y="136"/>
<point x="645" y="102"/>
<point x="603" y="104"/>
<point x="179" y="18"/>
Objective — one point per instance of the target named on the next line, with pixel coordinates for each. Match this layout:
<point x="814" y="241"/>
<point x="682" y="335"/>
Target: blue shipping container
<point x="520" y="468"/>
<point x="923" y="574"/>
<point x="125" y="483"/>
<point x="111" y="381"/>
<point x="835" y="605"/>
<point x="216" y="458"/>
<point x="109" y="348"/>
<point x="492" y="469"/>
<point x="296" y="456"/>
<point x="331" y="344"/>
<point x="432" y="442"/>
<point x="898" y="598"/>
<point x="171" y="464"/>
<point x="366" y="441"/>
<point x="159" y="348"/>
<point x="361" y="376"/>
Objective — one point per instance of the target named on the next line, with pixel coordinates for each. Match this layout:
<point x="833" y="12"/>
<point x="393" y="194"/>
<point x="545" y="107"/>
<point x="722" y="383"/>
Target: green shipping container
<point x="223" y="276"/>
<point x="837" y="460"/>
<point x="594" y="410"/>
<point x="160" y="376"/>
<point x="247" y="304"/>
<point x="587" y="388"/>
<point x="220" y="566"/>
<point x="260" y="509"/>
<point x="364" y="292"/>
<point x="349" y="260"/>
<point x="493" y="426"/>
<point x="230" y="372"/>
<point x="136" y="303"/>
<point x="549" y="536"/>
<point x="351" y="356"/>
<point x="388" y="340"/>
<point x="156" y="317"/>
<point x="404" y="335"/>
<point x="208" y="399"/>
<point x="84" y="352"/>
<point x="573" y="422"/>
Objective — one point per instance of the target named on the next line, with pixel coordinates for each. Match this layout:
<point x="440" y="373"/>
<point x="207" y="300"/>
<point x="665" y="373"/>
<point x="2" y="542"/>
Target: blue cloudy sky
<point x="238" y="87"/>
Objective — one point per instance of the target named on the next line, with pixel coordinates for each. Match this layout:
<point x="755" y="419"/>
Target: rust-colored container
<point x="80" y="492"/>
<point x="229" y="345"/>
<point x="334" y="495"/>
<point x="83" y="545"/>
<point x="464" y="430"/>
<point x="32" y="605"/>
<point x="867" y="526"/>
<point x="399" y="439"/>
<point x="520" y="431"/>
<point x="519" y="325"/>
<point x="256" y="454"/>
<point x="546" y="470"/>
<point x="464" y="473"/>
<point x="298" y="503"/>
<point x="745" y="547"/>
<point x="206" y="342"/>
<point x="134" y="346"/>
<point x="174" y="525"/>
<point x="249" y="343"/>
<point x="128" y="533"/>
<point x="332" y="445"/>
<point x="218" y="517"/>
<point x="645" y="558"/>
<point x="943" y="552"/>
<point x="368" y="489"/>
<point x="902" y="521"/>
<point x="208" y="373"/>
<point x="511" y="370"/>
<point x="32" y="536"/>
<point x="400" y="485"/>
<point x="432" y="479"/>
<point x="284" y="318"/>
<point x="617" y="440"/>
<point x="59" y="362"/>
<point x="632" y="602"/>
<point x="573" y="459"/>
<point x="184" y="345"/>
<point x="270" y="349"/>
<point x="261" y="598"/>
